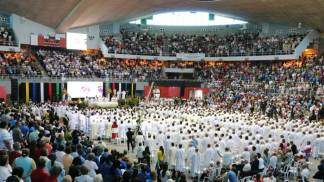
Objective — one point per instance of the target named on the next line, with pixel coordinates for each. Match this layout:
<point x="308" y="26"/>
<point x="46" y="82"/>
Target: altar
<point x="103" y="103"/>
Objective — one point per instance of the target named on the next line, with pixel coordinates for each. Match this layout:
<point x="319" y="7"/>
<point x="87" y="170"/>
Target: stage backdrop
<point x="188" y="89"/>
<point x="165" y="92"/>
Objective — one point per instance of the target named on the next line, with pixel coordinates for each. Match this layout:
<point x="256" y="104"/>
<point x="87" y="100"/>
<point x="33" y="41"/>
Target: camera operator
<point x="130" y="139"/>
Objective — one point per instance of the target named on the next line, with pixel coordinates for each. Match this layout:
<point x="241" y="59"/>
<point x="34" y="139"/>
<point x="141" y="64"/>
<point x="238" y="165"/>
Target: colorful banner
<point x="165" y="92"/>
<point x="132" y="89"/>
<point x="57" y="92"/>
<point x="27" y="92"/>
<point x="57" y="40"/>
<point x="49" y="91"/>
<point x="33" y="85"/>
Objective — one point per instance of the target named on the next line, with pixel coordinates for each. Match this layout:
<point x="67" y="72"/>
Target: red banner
<point x="3" y="93"/>
<point x="50" y="41"/>
<point x="189" y="89"/>
<point x="165" y="92"/>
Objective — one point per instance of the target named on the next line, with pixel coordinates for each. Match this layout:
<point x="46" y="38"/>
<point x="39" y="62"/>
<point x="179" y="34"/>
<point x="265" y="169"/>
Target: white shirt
<point x="305" y="173"/>
<point x="4" y="173"/>
<point x="84" y="178"/>
<point x="4" y="136"/>
<point x="92" y="166"/>
<point x="59" y="155"/>
<point x="247" y="167"/>
<point x="261" y="163"/>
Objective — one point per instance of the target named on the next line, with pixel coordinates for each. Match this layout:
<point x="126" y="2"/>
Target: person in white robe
<point x="195" y="164"/>
<point x="101" y="129"/>
<point x="73" y="120"/>
<point x="180" y="159"/>
<point x="172" y="156"/>
<point x="82" y="122"/>
<point x="108" y="129"/>
<point x="123" y="95"/>
<point x="139" y="139"/>
<point x="227" y="157"/>
<point x="209" y="156"/>
<point x="122" y="131"/>
<point x="273" y="161"/>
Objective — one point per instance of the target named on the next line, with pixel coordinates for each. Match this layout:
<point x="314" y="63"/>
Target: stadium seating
<point x="243" y="43"/>
<point x="19" y="64"/>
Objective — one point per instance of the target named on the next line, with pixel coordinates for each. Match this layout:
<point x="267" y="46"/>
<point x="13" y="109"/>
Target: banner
<point x="27" y="92"/>
<point x="191" y="56"/>
<point x="57" y="91"/>
<point x="165" y="92"/>
<point x="179" y="70"/>
<point x="57" y="40"/>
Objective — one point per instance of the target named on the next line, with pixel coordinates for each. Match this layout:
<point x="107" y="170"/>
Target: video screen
<point x="85" y="89"/>
<point x="76" y="41"/>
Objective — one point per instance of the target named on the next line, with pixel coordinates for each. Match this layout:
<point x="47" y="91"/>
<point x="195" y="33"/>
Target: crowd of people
<point x="243" y="43"/>
<point x="59" y="63"/>
<point x="6" y="36"/>
<point x="171" y="142"/>
<point x="292" y="89"/>
<point x="21" y="64"/>
<point x="74" y="64"/>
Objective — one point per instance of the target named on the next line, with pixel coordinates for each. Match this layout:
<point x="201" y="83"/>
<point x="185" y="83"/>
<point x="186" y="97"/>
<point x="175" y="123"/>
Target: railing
<point x="103" y="79"/>
<point x="258" y="53"/>
<point x="9" y="46"/>
<point x="212" y="83"/>
<point x="276" y="54"/>
<point x="9" y="43"/>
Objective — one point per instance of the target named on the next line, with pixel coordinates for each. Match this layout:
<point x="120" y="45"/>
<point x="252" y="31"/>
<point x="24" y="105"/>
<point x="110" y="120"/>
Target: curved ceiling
<point x="65" y="14"/>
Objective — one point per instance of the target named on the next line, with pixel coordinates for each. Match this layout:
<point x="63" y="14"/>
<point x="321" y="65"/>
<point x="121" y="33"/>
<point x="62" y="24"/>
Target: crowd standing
<point x="242" y="43"/>
<point x="171" y="142"/>
<point x="21" y="64"/>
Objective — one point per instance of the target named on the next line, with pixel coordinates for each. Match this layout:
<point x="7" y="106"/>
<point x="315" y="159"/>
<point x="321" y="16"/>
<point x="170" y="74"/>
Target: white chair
<point x="246" y="179"/>
<point x="285" y="172"/>
<point x="294" y="170"/>
<point x="212" y="176"/>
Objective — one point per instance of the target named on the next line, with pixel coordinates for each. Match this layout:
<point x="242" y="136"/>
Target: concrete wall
<point x="24" y="27"/>
<point x="93" y="35"/>
<point x="321" y="44"/>
<point x="282" y="30"/>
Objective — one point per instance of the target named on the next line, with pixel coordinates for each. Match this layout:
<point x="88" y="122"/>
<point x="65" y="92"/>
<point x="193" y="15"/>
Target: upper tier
<point x="243" y="43"/>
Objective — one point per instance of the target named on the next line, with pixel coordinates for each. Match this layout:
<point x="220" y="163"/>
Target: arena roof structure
<point x="65" y="14"/>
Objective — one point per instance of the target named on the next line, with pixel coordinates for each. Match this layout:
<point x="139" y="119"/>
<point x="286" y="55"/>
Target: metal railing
<point x="258" y="53"/>
<point x="9" y="43"/>
<point x="212" y="82"/>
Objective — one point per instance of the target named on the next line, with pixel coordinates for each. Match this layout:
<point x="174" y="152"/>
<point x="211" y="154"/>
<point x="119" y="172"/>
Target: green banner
<point x="57" y="91"/>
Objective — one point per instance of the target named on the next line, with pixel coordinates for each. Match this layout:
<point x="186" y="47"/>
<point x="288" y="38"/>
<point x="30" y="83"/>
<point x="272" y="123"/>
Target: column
<point x="42" y="92"/>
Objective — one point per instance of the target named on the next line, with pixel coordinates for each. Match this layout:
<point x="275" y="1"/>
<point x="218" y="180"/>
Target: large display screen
<point x="85" y="89"/>
<point x="76" y="41"/>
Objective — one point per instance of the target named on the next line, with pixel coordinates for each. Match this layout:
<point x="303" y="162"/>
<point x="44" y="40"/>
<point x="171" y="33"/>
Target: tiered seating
<point x="243" y="43"/>
<point x="19" y="64"/>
